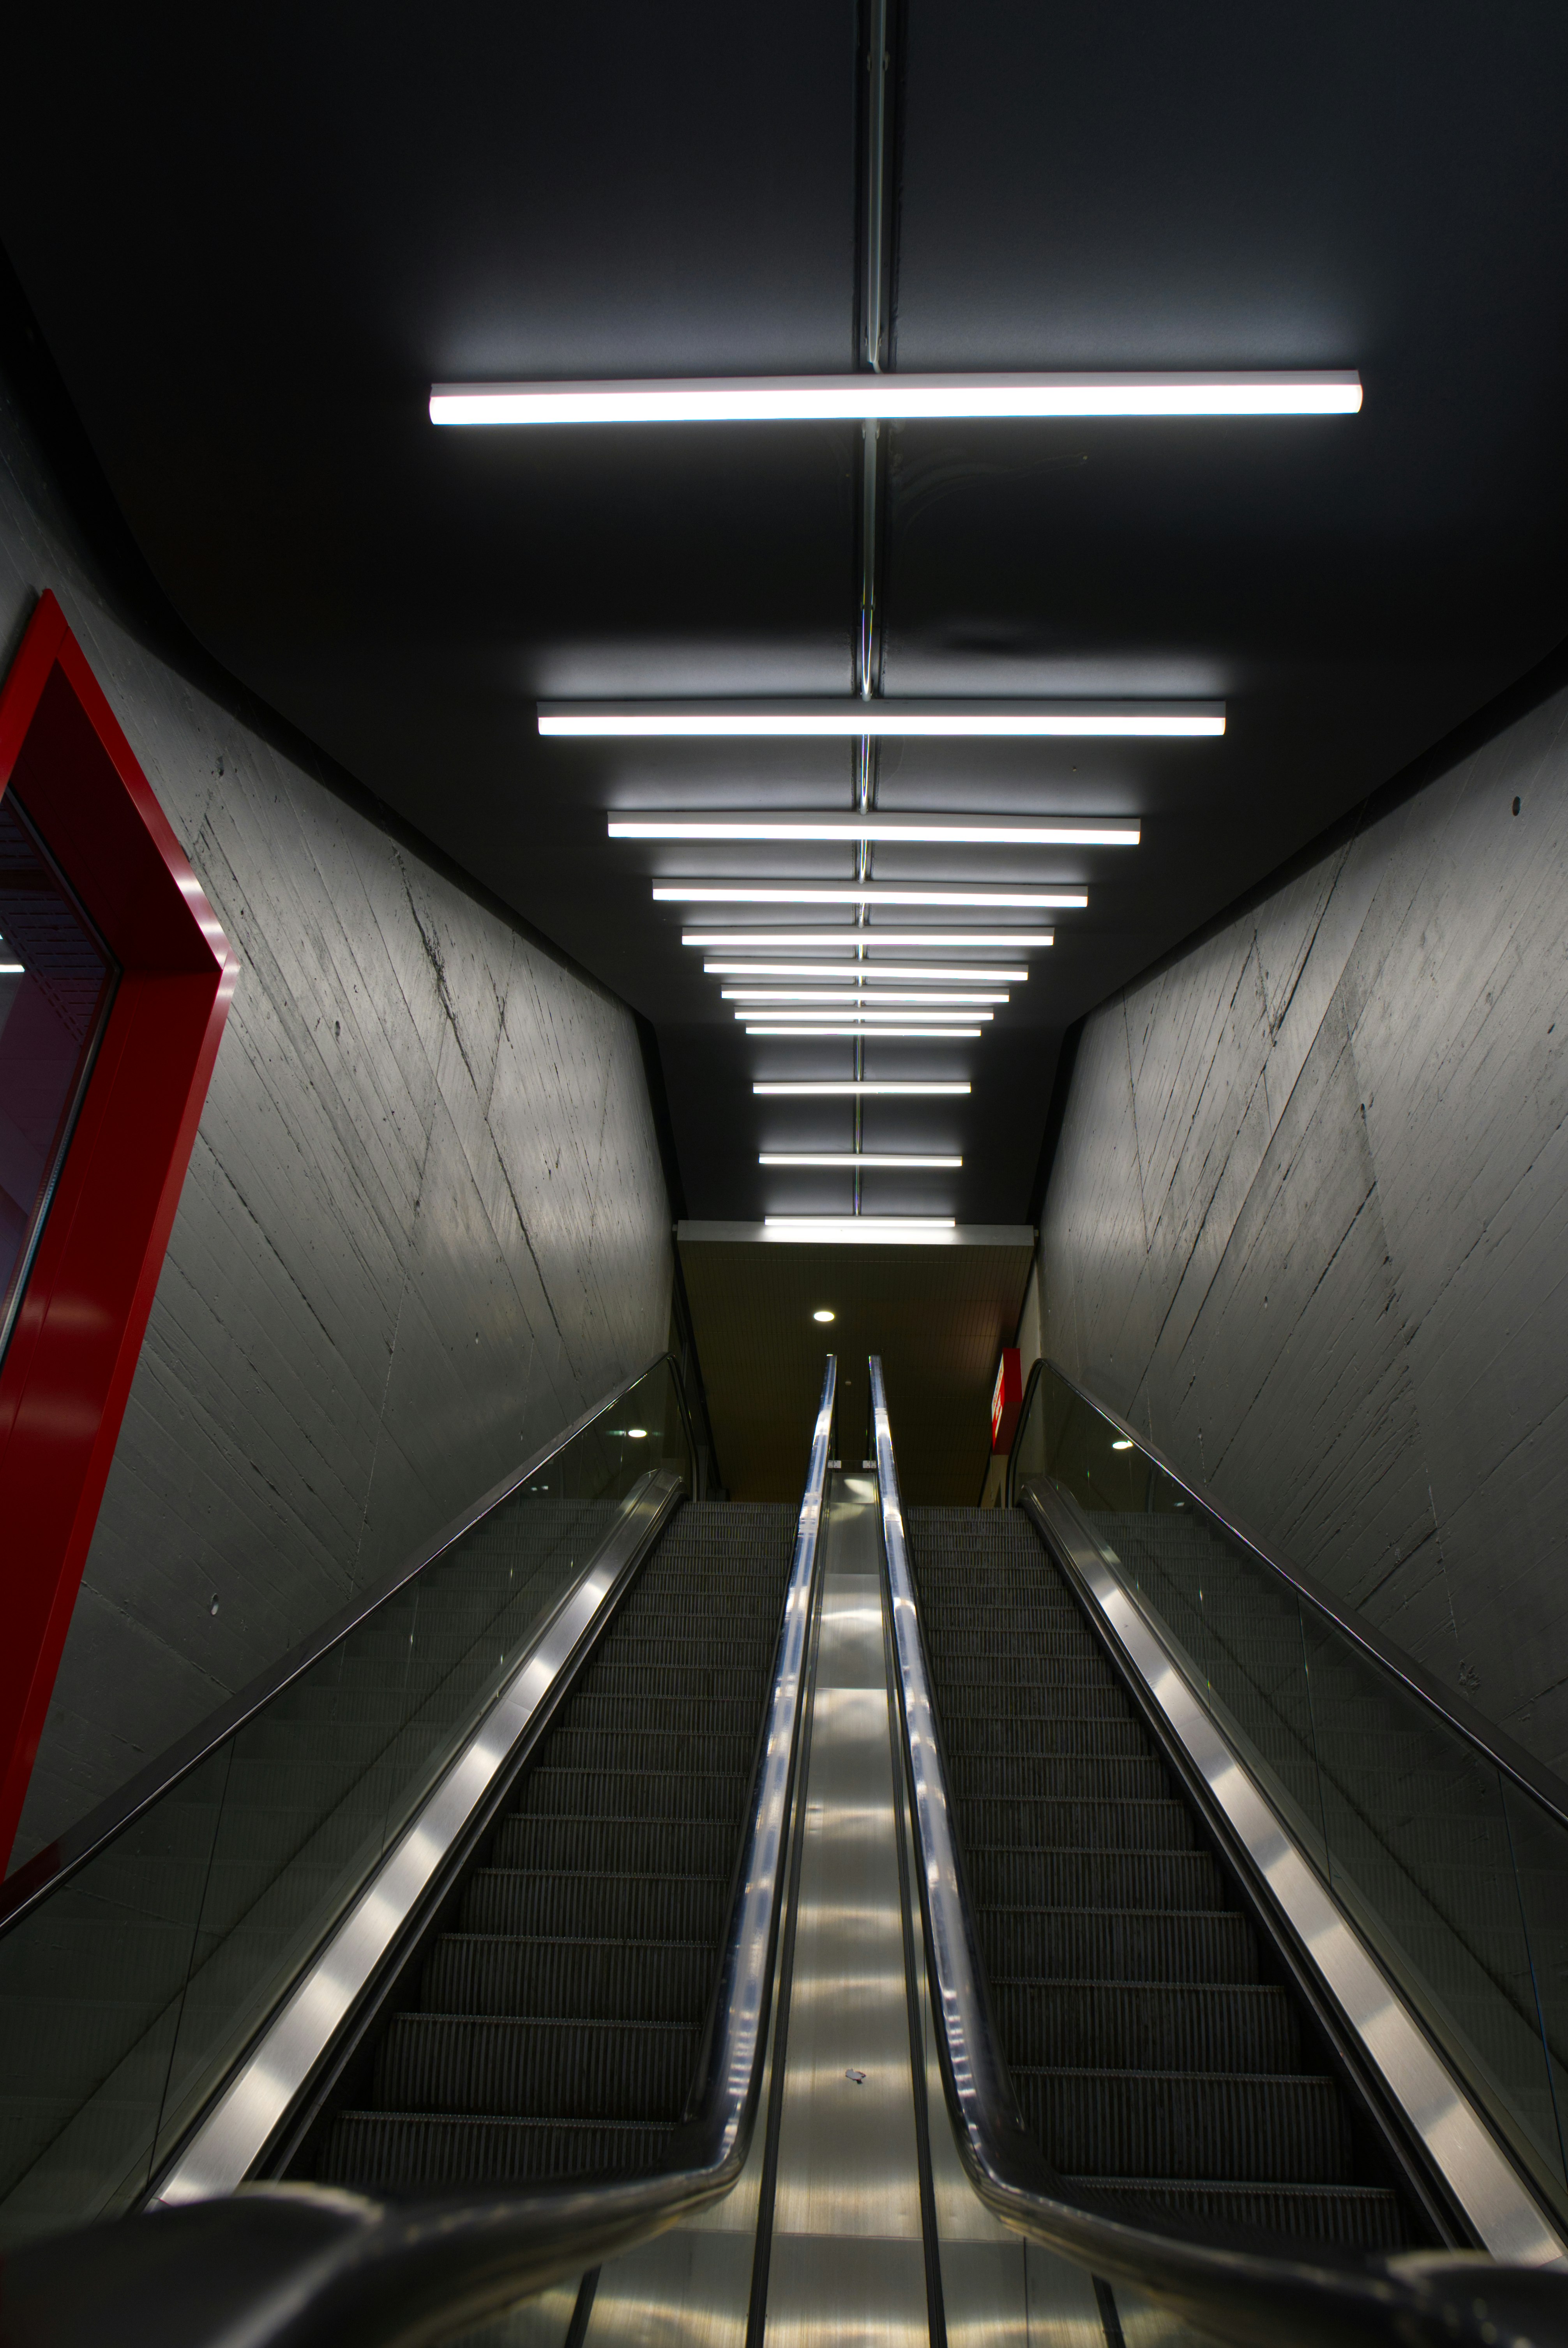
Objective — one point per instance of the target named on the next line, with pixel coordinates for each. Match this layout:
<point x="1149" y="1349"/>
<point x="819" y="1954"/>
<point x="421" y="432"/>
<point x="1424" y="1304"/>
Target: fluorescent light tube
<point x="898" y="398"/>
<point x="867" y="1015"/>
<point x="849" y="1087"/>
<point x="921" y="1229"/>
<point x="886" y="829"/>
<point x="879" y="1035"/>
<point x="845" y="717"/>
<point x="866" y="892"/>
<point x="905" y="940"/>
<point x="850" y="1158"/>
<point x="870" y="972"/>
<point x="13" y="969"/>
<point x="873" y="998"/>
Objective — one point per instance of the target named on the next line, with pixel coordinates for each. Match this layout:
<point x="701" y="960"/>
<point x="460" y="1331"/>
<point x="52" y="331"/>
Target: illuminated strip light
<point x="727" y="893"/>
<point x="868" y="973"/>
<point x="884" y="828"/>
<point x="850" y="1158"/>
<point x="873" y="997"/>
<point x="13" y="969"/>
<point x="846" y="1087"/>
<point x="867" y="1016"/>
<point x="920" y="1230"/>
<point x="862" y="1028"/>
<point x="842" y="719"/>
<point x="900" y="398"/>
<point x="819" y="940"/>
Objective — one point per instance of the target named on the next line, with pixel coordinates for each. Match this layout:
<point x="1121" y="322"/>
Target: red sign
<point x="1007" y="1399"/>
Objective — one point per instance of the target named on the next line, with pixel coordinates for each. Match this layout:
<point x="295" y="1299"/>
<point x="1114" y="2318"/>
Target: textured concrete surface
<point x="424" y="1221"/>
<point x="1309" y="1222"/>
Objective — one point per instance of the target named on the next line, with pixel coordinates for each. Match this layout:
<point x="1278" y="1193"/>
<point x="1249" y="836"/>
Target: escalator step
<point x="1050" y="1945"/>
<point x="1351" y="2216"/>
<point x="425" y="2149"/>
<point x="545" y="2066"/>
<point x="1073" y="1823"/>
<point x="1025" y="1880"/>
<point x="1186" y="2124"/>
<point x="1127" y="2025"/>
<point x="613" y="1846"/>
<point x="602" y="1980"/>
<point x="515" y="1901"/>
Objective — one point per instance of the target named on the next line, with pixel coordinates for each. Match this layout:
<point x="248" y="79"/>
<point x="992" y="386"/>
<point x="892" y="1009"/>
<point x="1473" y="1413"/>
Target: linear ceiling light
<point x="870" y="972"/>
<point x="866" y="892"/>
<point x="919" y="941"/>
<point x="846" y="1087"/>
<point x="920" y="1230"/>
<point x="843" y="718"/>
<point x="901" y="398"/>
<point x="891" y="828"/>
<point x="881" y="1035"/>
<point x="866" y="1015"/>
<point x="871" y="997"/>
<point x="850" y="1158"/>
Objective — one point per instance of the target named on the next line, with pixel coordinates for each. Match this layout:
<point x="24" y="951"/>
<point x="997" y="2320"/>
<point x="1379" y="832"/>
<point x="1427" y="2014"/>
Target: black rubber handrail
<point x="1235" y="2295"/>
<point x="307" y="2265"/>
<point x="38" y="1877"/>
<point x="1542" y="1783"/>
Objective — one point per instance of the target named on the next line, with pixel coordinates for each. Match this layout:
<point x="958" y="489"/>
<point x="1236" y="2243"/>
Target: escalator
<point x="1155" y="2058"/>
<point x="555" y="2027"/>
<point x="654" y="1917"/>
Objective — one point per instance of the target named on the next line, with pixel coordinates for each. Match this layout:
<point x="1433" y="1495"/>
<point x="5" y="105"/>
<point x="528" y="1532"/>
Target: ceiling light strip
<point x="800" y="1030"/>
<point x="868" y="893"/>
<point x="901" y="398"/>
<point x="858" y="1015"/>
<point x="870" y="972"/>
<point x="886" y="829"/>
<point x="885" y="1159"/>
<point x="848" y="1087"/>
<point x="873" y="997"/>
<point x="845" y="718"/>
<point x="902" y="941"/>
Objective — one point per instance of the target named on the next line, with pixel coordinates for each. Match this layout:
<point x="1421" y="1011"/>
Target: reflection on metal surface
<point x="235" y="2132"/>
<point x="1492" y="2195"/>
<point x="847" y="2259"/>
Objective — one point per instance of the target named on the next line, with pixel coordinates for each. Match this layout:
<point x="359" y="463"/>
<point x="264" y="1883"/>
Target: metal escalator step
<point x="1065" y="1824"/>
<point x="516" y="1902"/>
<point x="973" y="1735"/>
<point x="713" y="1651"/>
<point x="614" y="1714"/>
<point x="1179" y="2125"/>
<point x="393" y="2149"/>
<point x="545" y="2066"/>
<point x="601" y="1980"/>
<point x="709" y="1796"/>
<point x="611" y="1675"/>
<point x="1023" y="1880"/>
<point x="653" y="1749"/>
<point x="1352" y="2217"/>
<point x="608" y="1846"/>
<point x="1119" y="1944"/>
<point x="1129" y="2026"/>
<point x="1080" y="1668"/>
<point x="1084" y="1697"/>
<point x="1058" y="1777"/>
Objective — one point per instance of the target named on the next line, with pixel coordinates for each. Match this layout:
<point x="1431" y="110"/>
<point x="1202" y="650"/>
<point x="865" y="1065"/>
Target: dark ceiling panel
<point x="938" y="1316"/>
<point x="252" y="242"/>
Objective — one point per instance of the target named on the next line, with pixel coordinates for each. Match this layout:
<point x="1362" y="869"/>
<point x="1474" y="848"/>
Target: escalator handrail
<point x="41" y="1875"/>
<point x="1234" y="2294"/>
<point x="301" y="2266"/>
<point x="1534" y="1778"/>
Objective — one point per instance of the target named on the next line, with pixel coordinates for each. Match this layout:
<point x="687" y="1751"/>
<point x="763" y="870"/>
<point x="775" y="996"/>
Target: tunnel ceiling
<point x="252" y="239"/>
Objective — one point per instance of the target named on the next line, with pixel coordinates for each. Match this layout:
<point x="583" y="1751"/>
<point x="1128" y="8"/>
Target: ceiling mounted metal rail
<point x="1231" y="2295"/>
<point x="298" y="2266"/>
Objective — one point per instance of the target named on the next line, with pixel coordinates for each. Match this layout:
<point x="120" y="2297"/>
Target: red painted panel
<point x="1007" y="1399"/>
<point x="73" y="1353"/>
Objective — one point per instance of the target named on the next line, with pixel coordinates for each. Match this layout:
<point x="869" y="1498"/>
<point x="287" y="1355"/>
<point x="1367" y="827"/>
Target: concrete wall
<point x="424" y="1221"/>
<point x="1309" y="1222"/>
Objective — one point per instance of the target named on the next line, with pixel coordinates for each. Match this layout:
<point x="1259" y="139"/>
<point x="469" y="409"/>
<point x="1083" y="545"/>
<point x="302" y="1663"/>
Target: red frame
<point x="1007" y="1399"/>
<point x="68" y="1371"/>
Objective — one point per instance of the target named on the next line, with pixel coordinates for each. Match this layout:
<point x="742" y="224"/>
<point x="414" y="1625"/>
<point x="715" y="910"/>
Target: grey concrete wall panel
<point x="1309" y="1220"/>
<point x="424" y="1221"/>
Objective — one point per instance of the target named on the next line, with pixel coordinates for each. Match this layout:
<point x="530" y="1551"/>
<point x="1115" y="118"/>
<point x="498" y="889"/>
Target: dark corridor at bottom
<point x="555" y="2030"/>
<point x="1163" y="2072"/>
